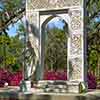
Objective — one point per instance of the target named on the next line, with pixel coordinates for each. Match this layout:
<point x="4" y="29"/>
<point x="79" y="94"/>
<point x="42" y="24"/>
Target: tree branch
<point x="12" y="18"/>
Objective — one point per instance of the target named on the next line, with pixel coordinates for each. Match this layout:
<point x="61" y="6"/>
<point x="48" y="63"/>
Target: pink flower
<point x="52" y="75"/>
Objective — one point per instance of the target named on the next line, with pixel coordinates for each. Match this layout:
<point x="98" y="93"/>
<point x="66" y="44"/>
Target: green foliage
<point x="10" y="49"/>
<point x="4" y="40"/>
<point x="93" y="30"/>
<point x="93" y="58"/>
<point x="56" y="48"/>
<point x="15" y="67"/>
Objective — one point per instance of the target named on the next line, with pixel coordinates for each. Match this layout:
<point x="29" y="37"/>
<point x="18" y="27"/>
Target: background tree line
<point x="11" y="11"/>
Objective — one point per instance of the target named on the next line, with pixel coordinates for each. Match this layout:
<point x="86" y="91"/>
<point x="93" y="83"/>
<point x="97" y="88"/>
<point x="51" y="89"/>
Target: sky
<point x="97" y="19"/>
<point x="1" y="6"/>
<point x="57" y="22"/>
<point x="13" y="28"/>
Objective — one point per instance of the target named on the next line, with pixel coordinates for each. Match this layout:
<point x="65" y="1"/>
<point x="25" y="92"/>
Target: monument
<point x="39" y="13"/>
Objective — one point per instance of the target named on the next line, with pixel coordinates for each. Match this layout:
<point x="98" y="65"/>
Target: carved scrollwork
<point x="39" y="4"/>
<point x="76" y="72"/>
<point x="76" y="21"/>
<point x="76" y="2"/>
<point x="76" y="44"/>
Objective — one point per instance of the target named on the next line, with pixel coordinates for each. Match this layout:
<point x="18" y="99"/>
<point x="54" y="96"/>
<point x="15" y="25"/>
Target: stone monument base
<point x="61" y="86"/>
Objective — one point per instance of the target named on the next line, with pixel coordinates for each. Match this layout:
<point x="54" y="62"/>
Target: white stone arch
<point x="37" y="11"/>
<point x="43" y="23"/>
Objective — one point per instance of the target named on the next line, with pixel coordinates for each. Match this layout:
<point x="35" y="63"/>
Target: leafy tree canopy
<point x="93" y="32"/>
<point x="11" y="48"/>
<point x="56" y="48"/>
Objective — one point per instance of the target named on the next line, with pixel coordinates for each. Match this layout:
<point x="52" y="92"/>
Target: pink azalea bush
<point x="3" y="77"/>
<point x="55" y="75"/>
<point x="13" y="79"/>
<point x="92" y="84"/>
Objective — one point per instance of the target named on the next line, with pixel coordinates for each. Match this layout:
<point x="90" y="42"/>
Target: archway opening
<point x="55" y="34"/>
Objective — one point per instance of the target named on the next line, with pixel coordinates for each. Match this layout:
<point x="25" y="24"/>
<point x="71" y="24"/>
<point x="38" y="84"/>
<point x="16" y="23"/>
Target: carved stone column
<point x="76" y="51"/>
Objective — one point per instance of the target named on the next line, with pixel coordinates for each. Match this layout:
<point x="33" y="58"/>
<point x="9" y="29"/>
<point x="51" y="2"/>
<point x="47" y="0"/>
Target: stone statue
<point x="32" y="53"/>
<point x="31" y="57"/>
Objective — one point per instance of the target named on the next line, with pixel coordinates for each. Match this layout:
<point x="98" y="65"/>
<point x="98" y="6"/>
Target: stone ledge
<point x="61" y="86"/>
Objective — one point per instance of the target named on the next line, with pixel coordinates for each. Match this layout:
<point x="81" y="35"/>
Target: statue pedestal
<point x="25" y="86"/>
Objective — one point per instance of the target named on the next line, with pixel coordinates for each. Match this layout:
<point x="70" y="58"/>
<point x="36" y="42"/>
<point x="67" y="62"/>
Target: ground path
<point x="11" y="93"/>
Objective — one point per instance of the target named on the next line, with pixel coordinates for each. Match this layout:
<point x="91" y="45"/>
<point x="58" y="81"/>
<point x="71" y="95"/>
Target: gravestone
<point x="39" y="13"/>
